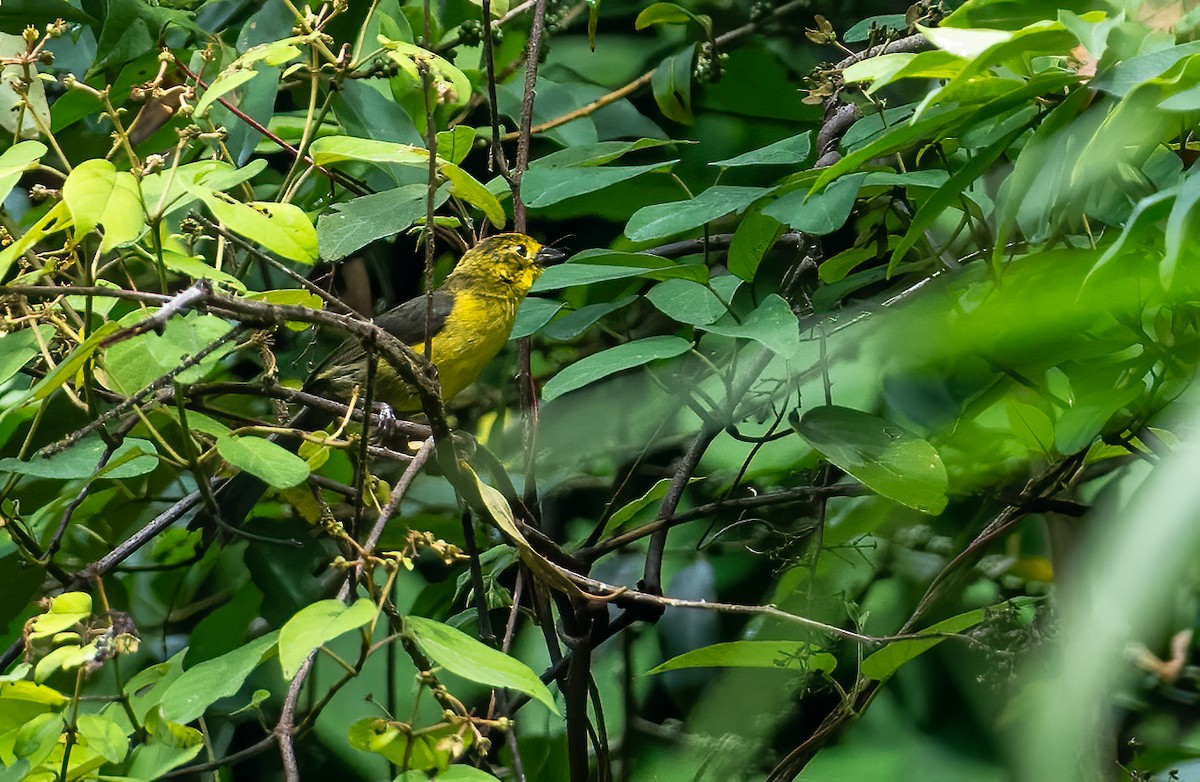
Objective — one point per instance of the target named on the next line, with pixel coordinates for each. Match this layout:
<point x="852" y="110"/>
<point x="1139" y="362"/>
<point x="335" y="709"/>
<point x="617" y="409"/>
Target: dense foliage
<point x="851" y="443"/>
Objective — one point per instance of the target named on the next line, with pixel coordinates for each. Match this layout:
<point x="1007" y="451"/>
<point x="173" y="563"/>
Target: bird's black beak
<point x="548" y="256"/>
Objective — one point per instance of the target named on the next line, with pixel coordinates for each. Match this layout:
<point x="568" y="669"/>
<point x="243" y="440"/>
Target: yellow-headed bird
<point x="473" y="314"/>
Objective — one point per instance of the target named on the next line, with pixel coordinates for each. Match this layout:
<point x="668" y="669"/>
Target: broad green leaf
<point x="771" y="324"/>
<point x="543" y="186"/>
<point x="21" y="101"/>
<point x="786" y="152"/>
<point x="66" y="369"/>
<point x="627" y="512"/>
<point x="454" y="88"/>
<point x="64" y="658"/>
<point x="1178" y="234"/>
<point x="65" y="611"/>
<point x="687" y="302"/>
<point x="1124" y="77"/>
<point x="133" y="364"/>
<point x="228" y="81"/>
<point x="274" y="464"/>
<point x="662" y="220"/>
<point x="859" y="32"/>
<point x="464" y="656"/>
<point x="887" y="459"/>
<point x="533" y="315"/>
<point x="464" y="773"/>
<point x="58" y="218"/>
<point x="18" y="347"/>
<point x="169" y="746"/>
<point x="597" y="154"/>
<point x="837" y="267"/>
<point x="98" y="194"/>
<point x="336" y="149"/>
<point x="197" y="688"/>
<point x="317" y="624"/>
<point x="592" y="266"/>
<point x="965" y="42"/>
<point x="454" y="144"/>
<point x="949" y="194"/>
<point x="433" y="749"/>
<point x="820" y="212"/>
<point x="672" y="85"/>
<point x="284" y="229"/>
<point x="196" y="268"/>
<point x="353" y="224"/>
<point x="471" y="190"/>
<point x="103" y="736"/>
<point x="755" y="235"/>
<point x="671" y="13"/>
<point x="783" y="655"/>
<point x="133" y="457"/>
<point x="571" y="325"/>
<point x="15" y="161"/>
<point x="882" y="664"/>
<point x="600" y="365"/>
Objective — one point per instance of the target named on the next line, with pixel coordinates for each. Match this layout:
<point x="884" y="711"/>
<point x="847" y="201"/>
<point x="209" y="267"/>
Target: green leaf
<point x="65" y="611"/>
<point x="533" y="315"/>
<point x="317" y="624"/>
<point x="454" y="144"/>
<point x="817" y="212"/>
<point x="169" y="745"/>
<point x="687" y="302"/>
<point x="597" y="154"/>
<point x="671" y="13"/>
<point x="20" y="102"/>
<point x="859" y="33"/>
<point x="431" y="749"/>
<point x="197" y="688"/>
<point x="882" y="664"/>
<point x="228" y="81"/>
<point x="593" y="266"/>
<point x="18" y="347"/>
<point x="887" y="459"/>
<point x="771" y="324"/>
<point x="464" y="656"/>
<point x="463" y="773"/>
<point x="133" y="457"/>
<point x="1124" y="77"/>
<point x="353" y="224"/>
<point x="284" y="229"/>
<point x="15" y="161"/>
<point x="196" y="268"/>
<point x="949" y="194"/>
<point x="66" y="369"/>
<point x="627" y="512"/>
<point x="783" y="655"/>
<point x="786" y="152"/>
<point x="837" y="267"/>
<point x="133" y="364"/>
<point x="756" y="234"/>
<point x="58" y="218"/>
<point x="543" y="186"/>
<point x="1178" y="233"/>
<point x="672" y="85"/>
<point x="575" y="323"/>
<point x="600" y="365"/>
<point x="274" y="464"/>
<point x="471" y="190"/>
<point x="103" y="736"/>
<point x="662" y="220"/>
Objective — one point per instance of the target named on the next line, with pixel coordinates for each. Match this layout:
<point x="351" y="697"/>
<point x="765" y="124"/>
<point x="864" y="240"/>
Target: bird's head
<point x="506" y="262"/>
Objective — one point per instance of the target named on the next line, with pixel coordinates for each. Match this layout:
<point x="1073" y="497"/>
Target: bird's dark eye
<point x="522" y="250"/>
